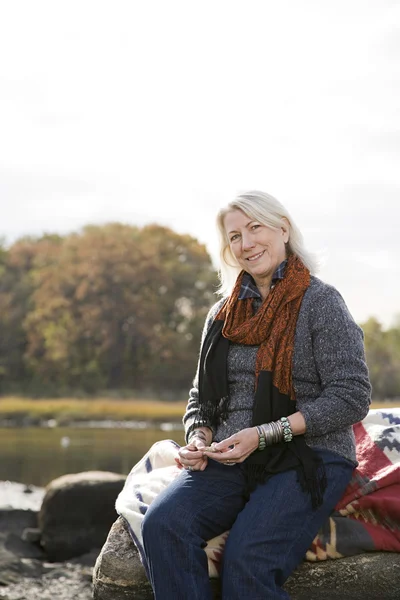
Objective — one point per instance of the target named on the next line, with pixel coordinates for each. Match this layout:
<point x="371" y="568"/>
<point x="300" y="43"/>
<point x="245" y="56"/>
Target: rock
<point x="23" y="549"/>
<point x="119" y="574"/>
<point x="369" y="576"/>
<point x="31" y="534"/>
<point x="15" y="554"/>
<point x="23" y="573"/>
<point x="13" y="567"/>
<point x="15" y="521"/>
<point x="57" y="581"/>
<point x="77" y="513"/>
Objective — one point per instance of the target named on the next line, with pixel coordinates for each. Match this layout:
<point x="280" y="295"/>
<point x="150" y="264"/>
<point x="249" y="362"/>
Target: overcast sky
<point x="161" y="111"/>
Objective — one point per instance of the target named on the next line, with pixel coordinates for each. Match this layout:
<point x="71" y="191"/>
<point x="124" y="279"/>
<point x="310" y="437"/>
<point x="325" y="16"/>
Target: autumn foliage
<point x="112" y="307"/>
<point x="118" y="307"/>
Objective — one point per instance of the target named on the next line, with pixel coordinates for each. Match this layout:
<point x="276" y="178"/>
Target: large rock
<point x="24" y="570"/>
<point x="18" y="558"/>
<point x="119" y="575"/>
<point x="77" y="513"/>
<point x="15" y="521"/>
<point x="118" y="572"/>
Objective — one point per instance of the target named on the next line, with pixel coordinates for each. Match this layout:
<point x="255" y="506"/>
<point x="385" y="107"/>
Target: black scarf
<point x="269" y="404"/>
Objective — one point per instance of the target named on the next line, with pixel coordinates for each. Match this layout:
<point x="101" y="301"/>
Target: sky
<point x="155" y="111"/>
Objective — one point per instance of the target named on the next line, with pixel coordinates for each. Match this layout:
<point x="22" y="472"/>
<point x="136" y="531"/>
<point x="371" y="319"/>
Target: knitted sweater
<point x="330" y="375"/>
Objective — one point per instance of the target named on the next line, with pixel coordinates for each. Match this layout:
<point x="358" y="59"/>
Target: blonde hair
<point x="267" y="210"/>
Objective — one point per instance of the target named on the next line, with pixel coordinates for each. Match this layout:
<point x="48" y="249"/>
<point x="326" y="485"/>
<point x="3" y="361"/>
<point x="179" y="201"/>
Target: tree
<point x="383" y="358"/>
<point x="118" y="306"/>
<point x="16" y="288"/>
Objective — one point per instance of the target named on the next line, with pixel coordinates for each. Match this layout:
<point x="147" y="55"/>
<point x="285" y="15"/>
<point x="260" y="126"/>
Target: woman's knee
<point x="160" y="521"/>
<point x="252" y="568"/>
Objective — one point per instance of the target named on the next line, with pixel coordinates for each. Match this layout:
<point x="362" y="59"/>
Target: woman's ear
<point x="285" y="229"/>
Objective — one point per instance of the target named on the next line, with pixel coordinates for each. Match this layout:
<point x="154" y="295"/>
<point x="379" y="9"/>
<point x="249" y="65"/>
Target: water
<point x="37" y="455"/>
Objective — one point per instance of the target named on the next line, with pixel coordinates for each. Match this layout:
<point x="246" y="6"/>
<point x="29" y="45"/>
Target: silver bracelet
<point x="261" y="438"/>
<point x="274" y="432"/>
<point x="268" y="433"/>
<point x="278" y="431"/>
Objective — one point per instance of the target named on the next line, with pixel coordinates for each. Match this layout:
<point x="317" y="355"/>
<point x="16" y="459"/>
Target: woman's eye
<point x="235" y="237"/>
<point x="256" y="226"/>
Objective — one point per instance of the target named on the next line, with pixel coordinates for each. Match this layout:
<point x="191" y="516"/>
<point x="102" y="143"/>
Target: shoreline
<point x="71" y="412"/>
<point x="21" y="423"/>
<point x="20" y="496"/>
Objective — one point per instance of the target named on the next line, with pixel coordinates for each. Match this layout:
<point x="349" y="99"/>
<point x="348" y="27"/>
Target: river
<point x="36" y="455"/>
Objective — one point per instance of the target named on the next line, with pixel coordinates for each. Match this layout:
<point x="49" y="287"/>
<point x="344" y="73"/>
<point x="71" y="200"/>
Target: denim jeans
<point x="269" y="535"/>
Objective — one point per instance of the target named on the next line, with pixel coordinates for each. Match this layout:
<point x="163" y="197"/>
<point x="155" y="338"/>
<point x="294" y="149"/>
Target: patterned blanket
<point x="366" y="519"/>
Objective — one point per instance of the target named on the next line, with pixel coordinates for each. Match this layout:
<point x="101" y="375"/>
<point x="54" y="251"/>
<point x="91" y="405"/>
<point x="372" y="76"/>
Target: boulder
<point x="18" y="558"/>
<point x="16" y="520"/>
<point x="24" y="570"/>
<point x="77" y="513"/>
<point x="119" y="574"/>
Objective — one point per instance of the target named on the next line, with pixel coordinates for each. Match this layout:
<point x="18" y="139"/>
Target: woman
<point x="281" y="380"/>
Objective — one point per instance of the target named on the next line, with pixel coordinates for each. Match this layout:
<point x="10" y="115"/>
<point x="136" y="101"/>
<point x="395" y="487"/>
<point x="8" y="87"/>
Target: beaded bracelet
<point x="261" y="438"/>
<point x="274" y="432"/>
<point x="286" y="428"/>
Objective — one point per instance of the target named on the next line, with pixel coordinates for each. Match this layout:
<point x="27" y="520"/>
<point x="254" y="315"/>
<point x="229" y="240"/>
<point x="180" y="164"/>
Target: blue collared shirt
<point x="249" y="288"/>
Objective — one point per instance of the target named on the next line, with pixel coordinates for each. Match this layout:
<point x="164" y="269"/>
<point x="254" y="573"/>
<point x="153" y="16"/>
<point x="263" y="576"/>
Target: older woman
<point x="270" y="449"/>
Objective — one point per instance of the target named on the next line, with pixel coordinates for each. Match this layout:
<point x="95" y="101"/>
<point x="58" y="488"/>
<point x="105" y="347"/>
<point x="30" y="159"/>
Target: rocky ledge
<point x="50" y="553"/>
<point x="119" y="575"/>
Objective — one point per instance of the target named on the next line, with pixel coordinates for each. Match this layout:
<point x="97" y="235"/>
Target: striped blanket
<point x="366" y="519"/>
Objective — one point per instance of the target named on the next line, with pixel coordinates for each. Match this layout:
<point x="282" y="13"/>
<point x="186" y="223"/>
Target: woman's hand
<point x="192" y="456"/>
<point x="236" y="448"/>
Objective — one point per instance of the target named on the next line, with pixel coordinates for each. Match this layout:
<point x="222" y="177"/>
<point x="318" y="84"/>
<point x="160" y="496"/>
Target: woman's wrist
<point x="202" y="433"/>
<point x="274" y="432"/>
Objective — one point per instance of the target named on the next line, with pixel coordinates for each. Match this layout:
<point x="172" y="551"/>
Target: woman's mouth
<point x="255" y="256"/>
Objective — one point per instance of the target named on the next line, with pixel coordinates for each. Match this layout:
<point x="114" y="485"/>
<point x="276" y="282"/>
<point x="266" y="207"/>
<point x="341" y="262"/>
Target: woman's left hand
<point x="236" y="448"/>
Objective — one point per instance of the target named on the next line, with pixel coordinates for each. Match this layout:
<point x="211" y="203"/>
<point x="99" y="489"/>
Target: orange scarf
<point x="273" y="326"/>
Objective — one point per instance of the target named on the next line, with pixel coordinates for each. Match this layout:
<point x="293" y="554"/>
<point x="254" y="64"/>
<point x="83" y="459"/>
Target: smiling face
<point x="258" y="249"/>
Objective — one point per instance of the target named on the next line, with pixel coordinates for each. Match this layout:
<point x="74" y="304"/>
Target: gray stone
<point x="21" y="548"/>
<point x="31" y="534"/>
<point x="369" y="576"/>
<point x="16" y="520"/>
<point x="119" y="574"/>
<point x="77" y="513"/>
<point x="23" y="573"/>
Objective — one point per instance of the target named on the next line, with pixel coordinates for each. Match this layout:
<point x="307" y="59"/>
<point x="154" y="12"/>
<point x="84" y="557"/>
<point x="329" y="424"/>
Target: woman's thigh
<point x="200" y="503"/>
<point x="276" y="527"/>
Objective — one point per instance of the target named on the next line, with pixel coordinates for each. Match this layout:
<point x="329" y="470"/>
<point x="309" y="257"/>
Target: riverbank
<point x="15" y="411"/>
<point x="135" y="413"/>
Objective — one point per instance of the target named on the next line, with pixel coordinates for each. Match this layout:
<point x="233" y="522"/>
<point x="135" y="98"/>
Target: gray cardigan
<point x="329" y="371"/>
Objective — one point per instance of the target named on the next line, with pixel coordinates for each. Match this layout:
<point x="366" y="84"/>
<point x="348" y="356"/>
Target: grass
<point x="385" y="404"/>
<point x="71" y="409"/>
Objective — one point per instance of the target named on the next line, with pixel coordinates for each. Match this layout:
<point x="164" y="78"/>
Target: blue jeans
<point x="269" y="535"/>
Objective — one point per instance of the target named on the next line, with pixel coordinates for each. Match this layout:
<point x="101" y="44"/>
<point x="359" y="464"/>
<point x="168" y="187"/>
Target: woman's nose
<point x="247" y="242"/>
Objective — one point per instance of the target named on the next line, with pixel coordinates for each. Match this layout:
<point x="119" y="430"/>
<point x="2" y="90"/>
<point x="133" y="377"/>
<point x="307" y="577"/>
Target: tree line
<point x="111" y="307"/>
<point x="119" y="307"/>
